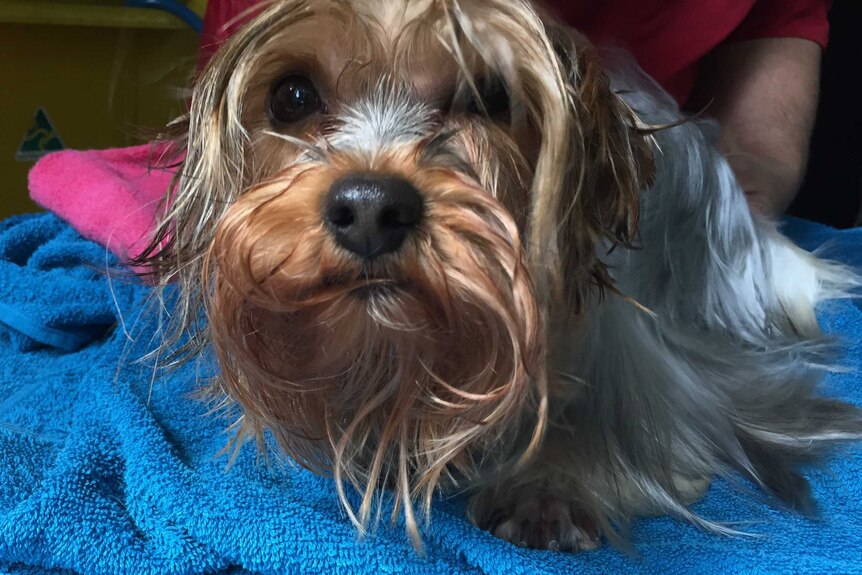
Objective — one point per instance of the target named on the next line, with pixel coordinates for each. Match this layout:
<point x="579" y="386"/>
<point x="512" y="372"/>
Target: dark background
<point x="832" y="191"/>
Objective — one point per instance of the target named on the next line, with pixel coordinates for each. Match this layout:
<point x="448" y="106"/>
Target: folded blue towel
<point x="106" y="469"/>
<point x="52" y="293"/>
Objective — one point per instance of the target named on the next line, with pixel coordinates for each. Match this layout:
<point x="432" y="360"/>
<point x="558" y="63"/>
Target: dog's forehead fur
<point x="381" y="82"/>
<point x="392" y="15"/>
<point x="429" y="44"/>
<point x="385" y="70"/>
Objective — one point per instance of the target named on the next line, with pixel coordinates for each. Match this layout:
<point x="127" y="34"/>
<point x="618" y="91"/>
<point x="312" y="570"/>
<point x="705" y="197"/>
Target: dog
<point x="445" y="246"/>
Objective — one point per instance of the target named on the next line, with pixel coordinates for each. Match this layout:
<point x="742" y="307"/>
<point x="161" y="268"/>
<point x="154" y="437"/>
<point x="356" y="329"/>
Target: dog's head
<point x="384" y="207"/>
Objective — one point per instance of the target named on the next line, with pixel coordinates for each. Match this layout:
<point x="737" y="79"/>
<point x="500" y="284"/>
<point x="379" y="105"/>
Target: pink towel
<point x="112" y="196"/>
<point x="109" y="196"/>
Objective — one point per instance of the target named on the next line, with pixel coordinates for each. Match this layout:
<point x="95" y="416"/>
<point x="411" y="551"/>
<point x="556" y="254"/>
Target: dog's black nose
<point x="370" y="214"/>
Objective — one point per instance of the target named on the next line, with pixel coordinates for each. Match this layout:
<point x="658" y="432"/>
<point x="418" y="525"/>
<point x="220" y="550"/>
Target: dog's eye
<point x="494" y="96"/>
<point x="293" y="98"/>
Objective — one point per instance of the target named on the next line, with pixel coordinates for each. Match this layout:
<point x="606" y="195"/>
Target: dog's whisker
<point x="313" y="150"/>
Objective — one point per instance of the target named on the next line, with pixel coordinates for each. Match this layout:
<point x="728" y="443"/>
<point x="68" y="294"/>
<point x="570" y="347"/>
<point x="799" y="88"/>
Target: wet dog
<point x="441" y="244"/>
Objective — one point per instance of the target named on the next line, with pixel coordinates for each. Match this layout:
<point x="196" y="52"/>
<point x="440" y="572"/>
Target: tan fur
<point x="419" y="371"/>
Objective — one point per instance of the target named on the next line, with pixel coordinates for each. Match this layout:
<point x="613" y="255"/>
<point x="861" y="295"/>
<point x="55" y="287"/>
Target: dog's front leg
<point x="561" y="500"/>
<point x="537" y="512"/>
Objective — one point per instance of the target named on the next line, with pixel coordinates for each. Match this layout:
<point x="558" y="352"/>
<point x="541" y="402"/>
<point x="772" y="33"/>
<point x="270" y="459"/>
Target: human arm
<point x="764" y="94"/>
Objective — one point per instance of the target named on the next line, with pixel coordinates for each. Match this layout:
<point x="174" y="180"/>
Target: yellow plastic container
<point x="84" y="75"/>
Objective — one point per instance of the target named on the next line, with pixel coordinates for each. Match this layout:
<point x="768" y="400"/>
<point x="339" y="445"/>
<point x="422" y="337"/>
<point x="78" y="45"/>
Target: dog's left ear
<point x="607" y="164"/>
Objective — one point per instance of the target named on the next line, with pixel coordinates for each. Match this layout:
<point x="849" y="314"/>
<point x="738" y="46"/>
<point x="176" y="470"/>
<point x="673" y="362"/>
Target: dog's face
<point x="385" y="207"/>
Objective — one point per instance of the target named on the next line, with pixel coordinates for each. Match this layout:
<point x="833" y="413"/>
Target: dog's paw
<point x="536" y="519"/>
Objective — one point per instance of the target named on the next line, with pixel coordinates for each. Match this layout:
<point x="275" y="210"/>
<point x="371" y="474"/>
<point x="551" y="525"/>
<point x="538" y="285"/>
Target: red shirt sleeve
<point x="805" y="19"/>
<point x="668" y="39"/>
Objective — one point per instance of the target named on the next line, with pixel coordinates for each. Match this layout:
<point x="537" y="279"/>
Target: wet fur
<point x="718" y="380"/>
<point x="572" y="258"/>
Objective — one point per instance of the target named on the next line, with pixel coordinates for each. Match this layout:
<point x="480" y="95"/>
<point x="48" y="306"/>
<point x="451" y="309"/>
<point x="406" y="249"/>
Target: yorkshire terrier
<point x="441" y="245"/>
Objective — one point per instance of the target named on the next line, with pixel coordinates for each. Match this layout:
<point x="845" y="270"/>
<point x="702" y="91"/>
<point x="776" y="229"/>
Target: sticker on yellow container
<point x="39" y="140"/>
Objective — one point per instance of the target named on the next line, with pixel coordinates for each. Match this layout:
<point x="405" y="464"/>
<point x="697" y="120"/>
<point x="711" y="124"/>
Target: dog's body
<point x="415" y="280"/>
<point x="717" y="380"/>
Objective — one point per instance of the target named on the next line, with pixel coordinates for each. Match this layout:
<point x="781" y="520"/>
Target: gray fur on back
<point x="722" y="380"/>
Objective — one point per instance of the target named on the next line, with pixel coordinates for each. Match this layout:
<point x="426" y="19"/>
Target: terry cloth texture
<point x="110" y="196"/>
<point x="108" y="469"/>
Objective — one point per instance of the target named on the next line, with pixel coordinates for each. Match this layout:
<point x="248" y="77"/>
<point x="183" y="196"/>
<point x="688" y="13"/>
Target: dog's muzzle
<point x="370" y="215"/>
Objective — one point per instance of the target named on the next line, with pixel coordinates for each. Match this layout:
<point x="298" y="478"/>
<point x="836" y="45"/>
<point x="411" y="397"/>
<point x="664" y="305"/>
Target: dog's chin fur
<point x="383" y="371"/>
<point x="434" y="367"/>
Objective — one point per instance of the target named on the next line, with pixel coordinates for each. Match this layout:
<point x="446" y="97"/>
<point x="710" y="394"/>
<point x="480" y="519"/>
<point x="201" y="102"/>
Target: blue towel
<point x="107" y="470"/>
<point x="51" y="289"/>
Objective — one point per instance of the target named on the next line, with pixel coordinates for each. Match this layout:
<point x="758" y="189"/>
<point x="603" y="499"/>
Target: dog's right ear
<point x="610" y="163"/>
